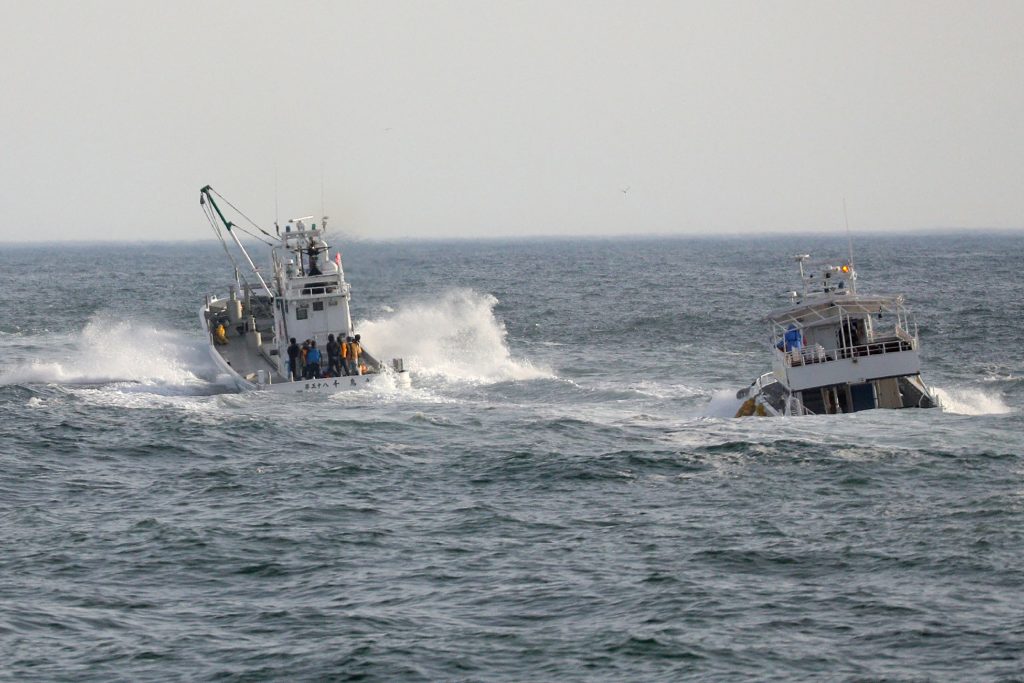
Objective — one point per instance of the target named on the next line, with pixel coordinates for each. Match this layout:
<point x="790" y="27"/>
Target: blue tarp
<point x="793" y="338"/>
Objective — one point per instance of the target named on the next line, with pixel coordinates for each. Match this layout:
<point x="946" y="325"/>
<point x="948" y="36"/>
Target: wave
<point x="723" y="404"/>
<point x="963" y="401"/>
<point x="112" y="350"/>
<point x="454" y="336"/>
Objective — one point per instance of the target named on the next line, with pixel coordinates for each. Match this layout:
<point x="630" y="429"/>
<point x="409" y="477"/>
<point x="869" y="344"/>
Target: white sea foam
<point x="142" y="397"/>
<point x="723" y="404"/>
<point x="454" y="336"/>
<point x="1005" y="377"/>
<point x="965" y="401"/>
<point x="666" y="390"/>
<point x="115" y="350"/>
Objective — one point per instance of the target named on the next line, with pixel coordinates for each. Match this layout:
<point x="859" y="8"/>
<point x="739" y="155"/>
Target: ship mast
<point x="206" y="197"/>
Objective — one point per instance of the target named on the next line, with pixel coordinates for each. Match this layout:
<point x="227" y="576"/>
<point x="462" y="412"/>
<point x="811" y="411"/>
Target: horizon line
<point x="526" y="238"/>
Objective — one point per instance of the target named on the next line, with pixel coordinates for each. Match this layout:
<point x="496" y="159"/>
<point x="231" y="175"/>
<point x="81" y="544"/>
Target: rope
<point x="208" y="211"/>
<point x="255" y="237"/>
<point x="239" y="212"/>
<point x="239" y="272"/>
<point x="212" y="218"/>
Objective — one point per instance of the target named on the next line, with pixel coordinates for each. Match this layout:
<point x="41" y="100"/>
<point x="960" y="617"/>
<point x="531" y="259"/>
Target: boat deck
<point x="246" y="361"/>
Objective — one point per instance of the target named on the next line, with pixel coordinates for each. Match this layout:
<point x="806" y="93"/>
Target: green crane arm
<point x="205" y="196"/>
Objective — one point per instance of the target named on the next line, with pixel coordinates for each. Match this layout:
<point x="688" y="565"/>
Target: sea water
<point x="562" y="494"/>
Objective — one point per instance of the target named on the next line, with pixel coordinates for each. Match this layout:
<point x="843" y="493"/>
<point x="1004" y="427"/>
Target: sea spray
<point x="967" y="401"/>
<point x="455" y="336"/>
<point x="723" y="403"/>
<point x="113" y="350"/>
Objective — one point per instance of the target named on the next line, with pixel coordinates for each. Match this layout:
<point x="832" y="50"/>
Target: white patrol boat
<point x="836" y="351"/>
<point x="307" y="298"/>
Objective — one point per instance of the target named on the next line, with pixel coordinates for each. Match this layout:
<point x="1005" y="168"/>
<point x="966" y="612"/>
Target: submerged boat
<point x="306" y="299"/>
<point x="837" y="351"/>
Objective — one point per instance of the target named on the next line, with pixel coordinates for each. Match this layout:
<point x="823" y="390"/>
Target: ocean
<point x="562" y="494"/>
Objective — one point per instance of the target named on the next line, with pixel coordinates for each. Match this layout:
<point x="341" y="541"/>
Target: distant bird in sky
<point x="625" y="190"/>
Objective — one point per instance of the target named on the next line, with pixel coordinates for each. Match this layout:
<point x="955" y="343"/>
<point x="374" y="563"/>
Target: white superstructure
<point x="836" y="351"/>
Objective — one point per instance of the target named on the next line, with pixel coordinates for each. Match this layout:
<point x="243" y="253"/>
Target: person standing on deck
<point x="313" y="361"/>
<point x="346" y="354"/>
<point x="333" y="356"/>
<point x="293" y="359"/>
<point x="354" y="352"/>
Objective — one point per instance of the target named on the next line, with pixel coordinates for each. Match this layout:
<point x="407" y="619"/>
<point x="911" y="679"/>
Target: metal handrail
<point x="876" y="348"/>
<point x="800" y="357"/>
<point x="314" y="291"/>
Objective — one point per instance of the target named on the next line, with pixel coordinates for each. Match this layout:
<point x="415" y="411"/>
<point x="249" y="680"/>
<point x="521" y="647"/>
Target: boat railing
<point x="905" y="336"/>
<point x="318" y="291"/>
<point x="315" y="285"/>
<point x="807" y="355"/>
<point x="876" y="348"/>
<point x="817" y="354"/>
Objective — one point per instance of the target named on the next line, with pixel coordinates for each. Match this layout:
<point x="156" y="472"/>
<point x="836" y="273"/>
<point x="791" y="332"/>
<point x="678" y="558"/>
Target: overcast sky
<point x="487" y="118"/>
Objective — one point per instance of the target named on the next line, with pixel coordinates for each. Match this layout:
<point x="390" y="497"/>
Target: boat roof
<point x="829" y="291"/>
<point x="820" y="306"/>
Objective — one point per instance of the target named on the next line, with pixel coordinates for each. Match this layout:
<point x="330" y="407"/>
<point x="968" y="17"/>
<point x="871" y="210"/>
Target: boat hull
<point x="768" y="397"/>
<point x="335" y="385"/>
<point x="269" y="380"/>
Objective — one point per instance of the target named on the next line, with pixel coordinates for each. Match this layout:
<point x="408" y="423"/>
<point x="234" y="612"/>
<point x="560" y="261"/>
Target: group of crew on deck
<point x="343" y="358"/>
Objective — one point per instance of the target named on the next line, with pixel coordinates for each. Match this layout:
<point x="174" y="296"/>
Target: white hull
<point x="275" y="383"/>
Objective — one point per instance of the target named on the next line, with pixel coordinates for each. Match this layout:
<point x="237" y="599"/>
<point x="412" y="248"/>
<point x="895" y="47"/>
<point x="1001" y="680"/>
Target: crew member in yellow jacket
<point x="354" y="352"/>
<point x="345" y="342"/>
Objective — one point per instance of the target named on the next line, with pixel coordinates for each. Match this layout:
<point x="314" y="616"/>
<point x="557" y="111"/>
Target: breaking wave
<point x="723" y="404"/>
<point x="112" y="350"/>
<point x="971" y="402"/>
<point x="455" y="336"/>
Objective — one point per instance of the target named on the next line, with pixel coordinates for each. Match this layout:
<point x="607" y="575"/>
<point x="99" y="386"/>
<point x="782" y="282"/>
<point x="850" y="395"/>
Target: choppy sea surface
<point x="562" y="495"/>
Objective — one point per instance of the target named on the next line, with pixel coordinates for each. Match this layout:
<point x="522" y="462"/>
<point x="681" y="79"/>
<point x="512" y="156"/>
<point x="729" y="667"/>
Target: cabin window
<point x="318" y="305"/>
<point x="301" y="313"/>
